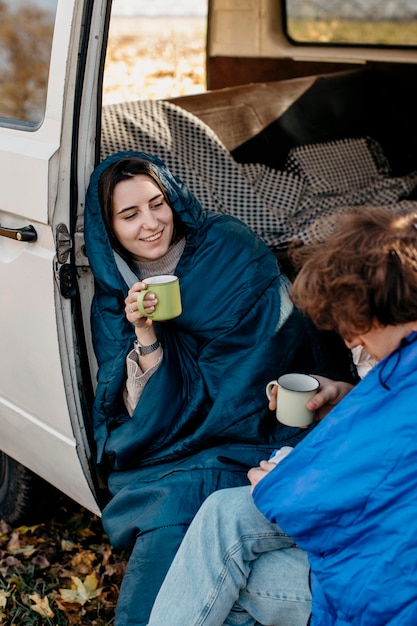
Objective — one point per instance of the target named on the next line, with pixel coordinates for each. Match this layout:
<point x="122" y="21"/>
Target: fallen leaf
<point x="86" y="532"/>
<point x="14" y="543"/>
<point x="41" y="605"/>
<point x="106" y="555"/>
<point x="80" y="592"/>
<point x="3" y="598"/>
<point x="3" y="601"/>
<point x="24" y="530"/>
<point x="72" y="611"/>
<point x="67" y="545"/>
<point x="25" y="551"/>
<point x="12" y="562"/>
<point x="83" y="561"/>
<point x="15" y="547"/>
<point x="116" y="569"/>
<point x="41" y="561"/>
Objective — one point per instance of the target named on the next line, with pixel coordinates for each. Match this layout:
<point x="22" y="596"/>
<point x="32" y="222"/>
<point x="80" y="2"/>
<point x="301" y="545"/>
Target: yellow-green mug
<point x="167" y="290"/>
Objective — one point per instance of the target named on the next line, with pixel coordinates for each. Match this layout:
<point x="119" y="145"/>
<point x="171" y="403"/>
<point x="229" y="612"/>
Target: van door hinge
<point x="63" y="243"/>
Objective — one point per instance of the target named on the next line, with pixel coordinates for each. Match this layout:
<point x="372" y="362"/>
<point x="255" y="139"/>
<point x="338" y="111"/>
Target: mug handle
<point x="140" y="298"/>
<point x="268" y="389"/>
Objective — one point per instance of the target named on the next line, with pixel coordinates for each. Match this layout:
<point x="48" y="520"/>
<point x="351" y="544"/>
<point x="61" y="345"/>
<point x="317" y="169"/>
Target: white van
<point x="290" y="83"/>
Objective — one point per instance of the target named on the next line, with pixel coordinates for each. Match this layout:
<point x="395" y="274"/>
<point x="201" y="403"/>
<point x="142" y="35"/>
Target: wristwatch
<point x="142" y="350"/>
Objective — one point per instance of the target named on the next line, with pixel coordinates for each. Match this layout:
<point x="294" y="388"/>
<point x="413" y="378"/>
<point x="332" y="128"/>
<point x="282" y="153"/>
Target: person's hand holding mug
<point x="133" y="314"/>
<point x="147" y="347"/>
<point x="166" y="289"/>
<point x="154" y="298"/>
<point x="329" y="394"/>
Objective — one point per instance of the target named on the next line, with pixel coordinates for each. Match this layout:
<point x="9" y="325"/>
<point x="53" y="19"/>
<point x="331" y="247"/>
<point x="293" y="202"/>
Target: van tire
<point x="24" y="497"/>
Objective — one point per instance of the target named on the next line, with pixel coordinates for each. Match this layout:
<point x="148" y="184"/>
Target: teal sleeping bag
<point x="202" y="420"/>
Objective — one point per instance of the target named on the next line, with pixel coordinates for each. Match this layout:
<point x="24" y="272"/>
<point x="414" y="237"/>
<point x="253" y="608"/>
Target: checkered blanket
<point x="300" y="202"/>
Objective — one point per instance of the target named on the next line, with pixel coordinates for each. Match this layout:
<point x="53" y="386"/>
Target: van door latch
<point x="68" y="280"/>
<point x="63" y="243"/>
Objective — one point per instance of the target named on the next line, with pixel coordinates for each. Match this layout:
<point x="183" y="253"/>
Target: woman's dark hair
<point x="124" y="170"/>
<point x="365" y="270"/>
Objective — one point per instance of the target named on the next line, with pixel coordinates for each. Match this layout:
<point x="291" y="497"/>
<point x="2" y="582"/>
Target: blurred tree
<point x="25" y="48"/>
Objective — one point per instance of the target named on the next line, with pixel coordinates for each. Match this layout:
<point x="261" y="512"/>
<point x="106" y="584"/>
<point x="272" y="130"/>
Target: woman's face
<point x="380" y="340"/>
<point x="142" y="220"/>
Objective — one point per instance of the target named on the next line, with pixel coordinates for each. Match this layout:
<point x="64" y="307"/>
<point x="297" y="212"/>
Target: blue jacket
<point x="202" y="420"/>
<point x="347" y="494"/>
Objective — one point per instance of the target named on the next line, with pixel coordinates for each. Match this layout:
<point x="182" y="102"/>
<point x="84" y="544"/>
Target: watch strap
<point x="143" y="350"/>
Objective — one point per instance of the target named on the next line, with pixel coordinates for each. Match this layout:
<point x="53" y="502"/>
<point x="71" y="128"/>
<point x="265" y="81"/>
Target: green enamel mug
<point x="167" y="290"/>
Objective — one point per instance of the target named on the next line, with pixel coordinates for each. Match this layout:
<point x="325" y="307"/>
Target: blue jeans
<point x="234" y="568"/>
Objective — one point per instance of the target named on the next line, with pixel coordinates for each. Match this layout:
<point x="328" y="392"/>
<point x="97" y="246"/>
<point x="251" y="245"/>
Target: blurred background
<point x="156" y="49"/>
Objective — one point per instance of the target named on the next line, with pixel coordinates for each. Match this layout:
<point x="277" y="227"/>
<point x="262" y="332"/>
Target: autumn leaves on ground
<point x="64" y="571"/>
<point x="60" y="572"/>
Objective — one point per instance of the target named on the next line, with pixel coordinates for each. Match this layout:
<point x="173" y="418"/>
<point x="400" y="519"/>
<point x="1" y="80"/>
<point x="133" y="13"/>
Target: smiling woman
<point x="136" y="211"/>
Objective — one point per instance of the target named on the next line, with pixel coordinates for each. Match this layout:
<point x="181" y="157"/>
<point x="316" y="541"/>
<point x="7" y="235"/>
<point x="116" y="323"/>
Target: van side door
<point x="41" y="421"/>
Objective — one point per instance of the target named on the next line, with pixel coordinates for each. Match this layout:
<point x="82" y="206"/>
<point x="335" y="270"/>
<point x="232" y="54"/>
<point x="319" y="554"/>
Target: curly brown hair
<point x="365" y="271"/>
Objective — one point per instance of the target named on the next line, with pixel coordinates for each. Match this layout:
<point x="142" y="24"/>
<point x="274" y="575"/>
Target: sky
<point x="159" y="7"/>
<point x="385" y="8"/>
<point x="136" y="7"/>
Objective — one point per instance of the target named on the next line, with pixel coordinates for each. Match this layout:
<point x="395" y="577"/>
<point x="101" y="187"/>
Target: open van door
<point x="43" y="402"/>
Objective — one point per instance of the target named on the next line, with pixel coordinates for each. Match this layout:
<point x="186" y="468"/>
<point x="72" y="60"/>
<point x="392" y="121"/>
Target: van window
<point x="363" y="22"/>
<point x="155" y="50"/>
<point x="26" y="29"/>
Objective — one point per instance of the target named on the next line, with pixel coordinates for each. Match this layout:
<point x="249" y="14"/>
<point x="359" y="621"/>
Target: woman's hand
<point x="144" y="328"/>
<point x="328" y="395"/>
<point x="133" y="314"/>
